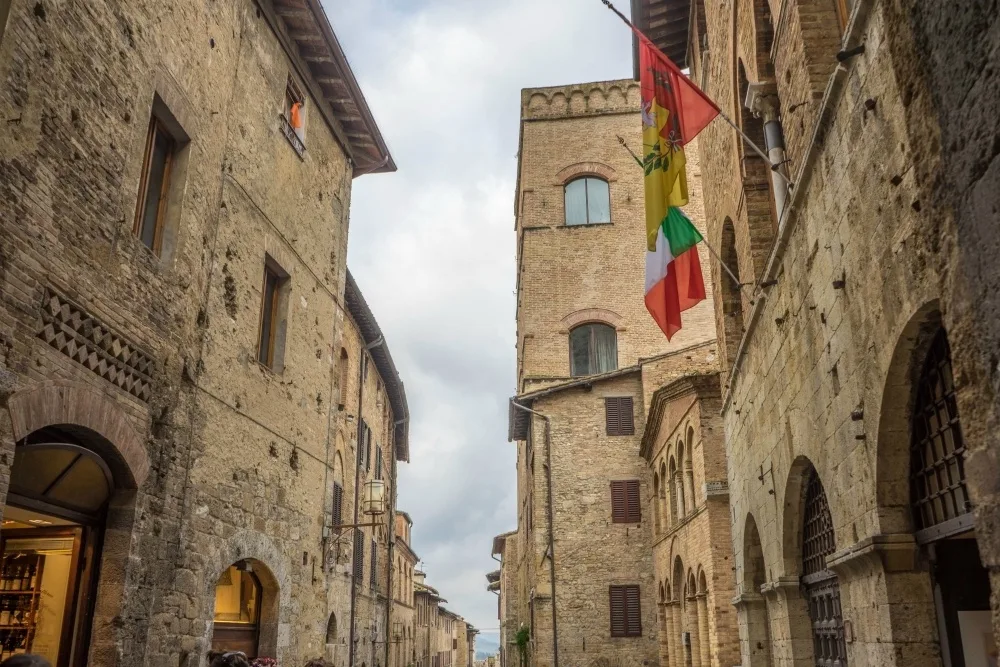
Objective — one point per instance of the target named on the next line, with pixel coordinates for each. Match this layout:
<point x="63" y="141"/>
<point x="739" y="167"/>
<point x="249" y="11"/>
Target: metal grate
<point x="817" y="528"/>
<point x="937" y="466"/>
<point x="822" y="590"/>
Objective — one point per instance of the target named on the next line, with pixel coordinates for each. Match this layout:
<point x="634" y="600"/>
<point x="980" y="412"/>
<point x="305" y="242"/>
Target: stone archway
<point x="99" y="423"/>
<point x="267" y="563"/>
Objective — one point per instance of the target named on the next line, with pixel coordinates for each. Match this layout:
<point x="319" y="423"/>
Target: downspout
<point x="357" y="496"/>
<point x="551" y="512"/>
<point x="390" y="599"/>
<point x="357" y="489"/>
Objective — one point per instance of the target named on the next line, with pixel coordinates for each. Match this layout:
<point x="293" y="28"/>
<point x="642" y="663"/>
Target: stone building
<point x="860" y="379"/>
<point x="185" y="363"/>
<point x="428" y="622"/>
<point x="403" y="651"/>
<point x="692" y="551"/>
<point x="589" y="357"/>
<point x="504" y="584"/>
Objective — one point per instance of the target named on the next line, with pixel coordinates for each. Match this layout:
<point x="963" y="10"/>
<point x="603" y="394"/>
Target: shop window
<point x="273" y="316"/>
<point x="593" y="349"/>
<point x="237" y="610"/>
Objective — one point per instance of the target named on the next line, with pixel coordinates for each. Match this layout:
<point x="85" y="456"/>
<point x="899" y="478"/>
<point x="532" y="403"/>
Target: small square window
<point x="154" y="187"/>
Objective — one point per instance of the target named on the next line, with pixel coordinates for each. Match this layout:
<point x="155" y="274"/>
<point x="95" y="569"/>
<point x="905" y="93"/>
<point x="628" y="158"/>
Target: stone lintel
<point x="894" y="552"/>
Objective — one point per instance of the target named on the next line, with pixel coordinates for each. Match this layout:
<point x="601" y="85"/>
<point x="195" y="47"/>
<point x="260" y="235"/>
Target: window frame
<point x="586" y="200"/>
<point x="592" y="347"/>
<point x="265" y="357"/>
<point x="626" y="501"/>
<point x="156" y="128"/>
<point x="619" y="415"/>
<point x="631" y="627"/>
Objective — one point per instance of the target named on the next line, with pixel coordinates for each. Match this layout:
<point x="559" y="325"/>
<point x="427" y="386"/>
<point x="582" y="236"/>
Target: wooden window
<point x="363" y="444"/>
<point x="378" y="462"/>
<point x="293" y="118"/>
<point x="587" y="201"/>
<point x="274" y="303"/>
<point x="154" y="186"/>
<point x="625" y="501"/>
<point x="626" y="612"/>
<point x="593" y="348"/>
<point x="359" y="554"/>
<point x="373" y="577"/>
<point x="619" y="416"/>
<point x="338" y="504"/>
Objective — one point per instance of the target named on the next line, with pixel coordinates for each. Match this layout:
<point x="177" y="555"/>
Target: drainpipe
<point x="357" y="492"/>
<point x="551" y="512"/>
<point x="762" y="100"/>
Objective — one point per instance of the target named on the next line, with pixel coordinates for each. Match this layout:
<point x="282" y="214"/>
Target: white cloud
<point x="432" y="246"/>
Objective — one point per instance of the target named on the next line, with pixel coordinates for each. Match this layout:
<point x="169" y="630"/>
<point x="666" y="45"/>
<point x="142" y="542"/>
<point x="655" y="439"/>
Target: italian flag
<point x="673" y="272"/>
<point x="674" y="110"/>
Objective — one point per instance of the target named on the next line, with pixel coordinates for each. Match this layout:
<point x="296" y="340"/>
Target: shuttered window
<point x="618" y="414"/>
<point x="625" y="501"/>
<point x="626" y="615"/>
<point x="338" y="504"/>
<point x="359" y="554"/>
<point x="373" y="578"/>
<point x="378" y="462"/>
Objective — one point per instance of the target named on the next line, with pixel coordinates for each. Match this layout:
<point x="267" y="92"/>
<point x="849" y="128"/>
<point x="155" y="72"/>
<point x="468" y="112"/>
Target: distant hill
<point x="486" y="646"/>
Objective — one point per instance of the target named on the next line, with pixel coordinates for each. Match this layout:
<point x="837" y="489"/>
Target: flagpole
<point x="754" y="147"/>
<point x="736" y="281"/>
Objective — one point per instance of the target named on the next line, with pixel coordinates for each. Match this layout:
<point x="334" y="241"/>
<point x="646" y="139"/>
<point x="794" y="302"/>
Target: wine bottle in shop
<point x="5" y="611"/>
<point x="16" y="578"/>
<point x="26" y="578"/>
<point x="33" y="583"/>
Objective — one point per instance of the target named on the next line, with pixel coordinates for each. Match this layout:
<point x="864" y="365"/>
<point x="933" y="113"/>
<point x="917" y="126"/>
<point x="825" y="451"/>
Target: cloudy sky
<point x="432" y="246"/>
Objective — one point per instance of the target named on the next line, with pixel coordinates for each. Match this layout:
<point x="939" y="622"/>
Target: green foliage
<point x="522" y="638"/>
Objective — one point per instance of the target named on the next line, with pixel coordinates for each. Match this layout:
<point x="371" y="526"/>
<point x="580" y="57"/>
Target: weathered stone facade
<point x="149" y="360"/>
<point x="403" y="646"/>
<point x="572" y="550"/>
<point x="859" y="397"/>
<point x="692" y="551"/>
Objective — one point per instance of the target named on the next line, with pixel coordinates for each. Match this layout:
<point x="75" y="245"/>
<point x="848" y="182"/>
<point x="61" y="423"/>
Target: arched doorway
<point x="755" y="630"/>
<point x="238" y="601"/>
<point x="942" y="513"/>
<point x="62" y="481"/>
<point x="820" y="584"/>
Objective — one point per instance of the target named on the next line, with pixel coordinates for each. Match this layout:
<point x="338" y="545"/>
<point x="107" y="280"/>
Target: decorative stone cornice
<point x="585" y="99"/>
<point x="781" y="585"/>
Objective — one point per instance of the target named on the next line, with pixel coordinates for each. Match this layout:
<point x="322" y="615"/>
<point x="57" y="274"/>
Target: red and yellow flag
<point x="674" y="110"/>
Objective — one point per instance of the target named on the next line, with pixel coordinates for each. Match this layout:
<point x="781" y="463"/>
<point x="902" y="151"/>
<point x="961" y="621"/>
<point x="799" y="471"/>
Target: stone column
<point x="678" y="484"/>
<point x="7" y="386"/>
<point x="691" y="618"/>
<point x="689" y="478"/>
<point x="755" y="637"/>
<point x="663" y="644"/>
<point x="674" y="653"/>
<point x="703" y="632"/>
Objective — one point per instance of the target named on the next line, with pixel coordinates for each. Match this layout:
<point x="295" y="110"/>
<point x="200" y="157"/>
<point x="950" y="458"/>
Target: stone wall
<point x="241" y="458"/>
<point x="867" y="258"/>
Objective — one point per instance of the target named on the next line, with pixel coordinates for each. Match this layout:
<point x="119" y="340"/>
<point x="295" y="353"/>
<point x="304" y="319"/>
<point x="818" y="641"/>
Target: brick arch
<point x="586" y="315"/>
<point x="268" y="564"/>
<point x="591" y="168"/>
<point x="55" y="403"/>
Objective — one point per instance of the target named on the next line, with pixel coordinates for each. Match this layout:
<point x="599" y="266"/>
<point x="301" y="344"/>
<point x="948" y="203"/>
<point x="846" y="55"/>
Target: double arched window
<point x="588" y="201"/>
<point x="593" y="349"/>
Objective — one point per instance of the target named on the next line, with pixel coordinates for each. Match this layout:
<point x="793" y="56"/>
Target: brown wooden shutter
<point x="373" y="578"/>
<point x="616" y="603"/>
<point x="625" y="410"/>
<point x="359" y="554"/>
<point x="612" y="415"/>
<point x="618" y="413"/>
<point x="619" y="502"/>
<point x="632" y="506"/>
<point x="338" y="504"/>
<point x="633" y="612"/>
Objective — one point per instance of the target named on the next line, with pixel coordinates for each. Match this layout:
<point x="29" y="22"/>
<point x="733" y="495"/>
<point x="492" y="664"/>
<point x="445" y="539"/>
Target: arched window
<point x="822" y="589"/>
<point x="344" y="374"/>
<point x="656" y="505"/>
<point x="593" y="348"/>
<point x="732" y="299"/>
<point x="237" y="610"/>
<point x="588" y="201"/>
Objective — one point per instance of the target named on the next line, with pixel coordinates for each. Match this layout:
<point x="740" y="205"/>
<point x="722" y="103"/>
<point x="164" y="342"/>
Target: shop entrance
<point x="238" y="595"/>
<point x="50" y="546"/>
